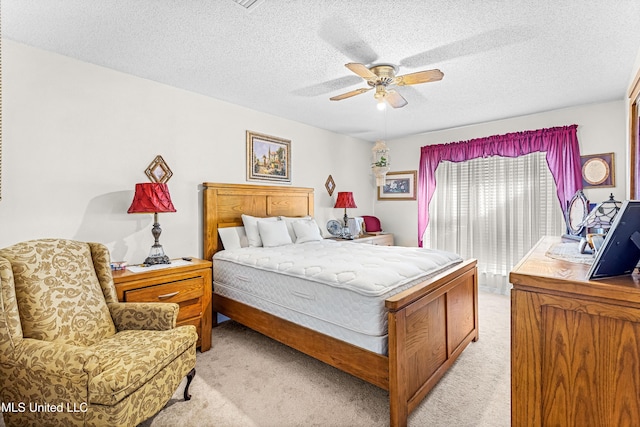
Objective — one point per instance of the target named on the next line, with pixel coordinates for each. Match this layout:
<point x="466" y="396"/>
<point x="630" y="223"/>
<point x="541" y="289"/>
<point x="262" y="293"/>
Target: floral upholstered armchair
<point x="70" y="353"/>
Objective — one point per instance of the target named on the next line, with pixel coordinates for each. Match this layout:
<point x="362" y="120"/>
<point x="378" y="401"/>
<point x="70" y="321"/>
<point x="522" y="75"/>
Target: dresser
<point x="575" y="344"/>
<point x="187" y="285"/>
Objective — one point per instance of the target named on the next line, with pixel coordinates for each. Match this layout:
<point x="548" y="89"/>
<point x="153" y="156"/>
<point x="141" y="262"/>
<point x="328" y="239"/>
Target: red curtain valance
<point x="560" y="144"/>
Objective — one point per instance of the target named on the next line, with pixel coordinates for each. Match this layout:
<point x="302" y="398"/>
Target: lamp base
<point x="157" y="255"/>
<point x="154" y="260"/>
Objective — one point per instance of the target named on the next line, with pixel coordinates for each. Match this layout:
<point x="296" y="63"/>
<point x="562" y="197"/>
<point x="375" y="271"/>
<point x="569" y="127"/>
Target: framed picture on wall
<point x="398" y="186"/>
<point x="598" y="170"/>
<point x="268" y="158"/>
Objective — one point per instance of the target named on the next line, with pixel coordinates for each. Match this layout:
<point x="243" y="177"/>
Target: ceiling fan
<point x="381" y="76"/>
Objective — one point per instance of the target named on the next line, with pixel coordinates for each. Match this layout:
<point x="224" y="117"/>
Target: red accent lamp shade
<point x="151" y="197"/>
<point x="345" y="200"/>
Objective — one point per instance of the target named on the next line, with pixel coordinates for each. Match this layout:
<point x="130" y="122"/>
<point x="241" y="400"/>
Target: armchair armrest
<point x="56" y="359"/>
<point x="158" y="316"/>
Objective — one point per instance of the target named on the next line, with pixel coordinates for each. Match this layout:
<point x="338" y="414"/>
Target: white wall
<point x="77" y="137"/>
<point x="602" y="128"/>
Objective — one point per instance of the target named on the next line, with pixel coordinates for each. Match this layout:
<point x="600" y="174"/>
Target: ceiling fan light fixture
<point x="381" y="76"/>
<point x="381" y="106"/>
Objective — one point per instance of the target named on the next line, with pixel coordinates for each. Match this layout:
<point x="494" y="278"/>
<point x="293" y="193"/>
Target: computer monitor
<point x="620" y="251"/>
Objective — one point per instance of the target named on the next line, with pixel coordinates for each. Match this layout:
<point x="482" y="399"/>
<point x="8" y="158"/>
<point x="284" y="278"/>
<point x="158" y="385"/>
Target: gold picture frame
<point x="598" y="170"/>
<point x="399" y="186"/>
<point x="158" y="170"/>
<point x="268" y="158"/>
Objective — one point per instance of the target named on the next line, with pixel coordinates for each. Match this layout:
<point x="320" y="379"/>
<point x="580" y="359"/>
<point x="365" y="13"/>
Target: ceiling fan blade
<point x="395" y="99"/>
<point x="419" y="77"/>
<point x="361" y="70"/>
<point x="350" y="94"/>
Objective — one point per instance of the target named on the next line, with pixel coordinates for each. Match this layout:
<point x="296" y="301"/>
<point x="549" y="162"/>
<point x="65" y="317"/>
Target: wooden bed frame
<point x="430" y="324"/>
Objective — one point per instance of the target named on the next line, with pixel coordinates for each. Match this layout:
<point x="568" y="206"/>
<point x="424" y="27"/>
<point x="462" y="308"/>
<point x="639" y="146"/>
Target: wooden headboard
<point x="223" y="205"/>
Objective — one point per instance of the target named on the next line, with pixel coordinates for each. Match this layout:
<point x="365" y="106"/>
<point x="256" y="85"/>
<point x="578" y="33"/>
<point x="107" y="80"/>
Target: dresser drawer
<point x="186" y="293"/>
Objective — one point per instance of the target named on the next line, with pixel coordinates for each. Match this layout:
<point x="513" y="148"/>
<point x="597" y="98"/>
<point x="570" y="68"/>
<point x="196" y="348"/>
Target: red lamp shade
<point x="345" y="200"/>
<point x="151" y="197"/>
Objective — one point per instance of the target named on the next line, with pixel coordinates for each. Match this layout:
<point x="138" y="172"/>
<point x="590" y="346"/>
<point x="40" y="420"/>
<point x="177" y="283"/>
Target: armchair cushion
<point x="129" y="359"/>
<point x="59" y="296"/>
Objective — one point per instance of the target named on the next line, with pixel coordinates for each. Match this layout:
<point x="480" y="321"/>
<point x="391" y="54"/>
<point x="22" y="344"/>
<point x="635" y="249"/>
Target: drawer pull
<point x="172" y="294"/>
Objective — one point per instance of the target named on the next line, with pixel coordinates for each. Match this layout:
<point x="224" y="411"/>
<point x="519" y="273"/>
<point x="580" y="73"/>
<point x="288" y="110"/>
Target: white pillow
<point x="233" y="237"/>
<point x="274" y="233"/>
<point x="289" y="220"/>
<point x="306" y="231"/>
<point x="251" y="228"/>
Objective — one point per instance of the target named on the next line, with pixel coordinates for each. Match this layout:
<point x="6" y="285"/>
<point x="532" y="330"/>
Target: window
<point x="493" y="209"/>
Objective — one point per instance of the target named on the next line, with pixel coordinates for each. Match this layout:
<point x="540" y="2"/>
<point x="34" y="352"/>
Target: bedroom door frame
<point x="634" y="116"/>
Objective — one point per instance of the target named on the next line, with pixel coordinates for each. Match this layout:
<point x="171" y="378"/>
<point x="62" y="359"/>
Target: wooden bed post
<point x="398" y="410"/>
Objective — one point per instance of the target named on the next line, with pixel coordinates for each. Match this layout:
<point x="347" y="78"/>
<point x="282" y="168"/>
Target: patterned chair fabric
<point x="70" y="353"/>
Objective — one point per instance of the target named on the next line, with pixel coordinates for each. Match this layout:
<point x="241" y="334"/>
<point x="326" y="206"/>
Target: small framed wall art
<point x="398" y="186"/>
<point x="268" y="158"/>
<point x="158" y="170"/>
<point x="330" y="185"/>
<point x="598" y="170"/>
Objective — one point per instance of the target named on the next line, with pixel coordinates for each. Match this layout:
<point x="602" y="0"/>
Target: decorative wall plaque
<point x="330" y="185"/>
<point x="158" y="171"/>
<point x="597" y="170"/>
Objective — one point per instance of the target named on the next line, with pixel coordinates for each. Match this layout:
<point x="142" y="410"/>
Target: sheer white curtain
<point x="493" y="209"/>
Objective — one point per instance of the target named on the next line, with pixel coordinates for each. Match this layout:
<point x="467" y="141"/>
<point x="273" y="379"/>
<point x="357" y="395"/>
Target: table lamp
<point x="345" y="200"/>
<point x="153" y="197"/>
<point x="601" y="217"/>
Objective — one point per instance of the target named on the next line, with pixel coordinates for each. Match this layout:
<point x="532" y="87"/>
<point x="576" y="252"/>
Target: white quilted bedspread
<point x="366" y="269"/>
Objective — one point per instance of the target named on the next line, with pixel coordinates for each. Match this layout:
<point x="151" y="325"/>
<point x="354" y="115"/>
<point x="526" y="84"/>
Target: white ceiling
<point x="500" y="58"/>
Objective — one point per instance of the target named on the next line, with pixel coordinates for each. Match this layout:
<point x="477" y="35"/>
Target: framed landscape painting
<point x="398" y="186"/>
<point x="268" y="158"/>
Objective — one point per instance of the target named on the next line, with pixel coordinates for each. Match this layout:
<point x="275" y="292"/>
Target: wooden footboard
<point x="429" y="324"/>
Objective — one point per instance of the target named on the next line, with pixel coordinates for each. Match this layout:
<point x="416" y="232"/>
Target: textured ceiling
<point x="500" y="58"/>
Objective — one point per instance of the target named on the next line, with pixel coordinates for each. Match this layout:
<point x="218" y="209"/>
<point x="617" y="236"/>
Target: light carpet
<point x="247" y="379"/>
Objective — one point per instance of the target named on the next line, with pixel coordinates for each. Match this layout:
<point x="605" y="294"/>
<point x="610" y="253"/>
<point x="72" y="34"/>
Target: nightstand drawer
<point x="376" y="239"/>
<point x="186" y="293"/>
<point x="382" y="240"/>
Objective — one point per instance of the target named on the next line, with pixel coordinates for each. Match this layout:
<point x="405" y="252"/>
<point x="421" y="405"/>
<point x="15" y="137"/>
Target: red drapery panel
<point x="560" y="144"/>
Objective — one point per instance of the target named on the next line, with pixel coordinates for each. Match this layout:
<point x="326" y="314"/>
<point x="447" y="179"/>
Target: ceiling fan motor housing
<point x="386" y="74"/>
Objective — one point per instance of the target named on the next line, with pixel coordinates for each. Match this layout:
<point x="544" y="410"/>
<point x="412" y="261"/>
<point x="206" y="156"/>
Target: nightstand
<point x="187" y="285"/>
<point x="385" y="239"/>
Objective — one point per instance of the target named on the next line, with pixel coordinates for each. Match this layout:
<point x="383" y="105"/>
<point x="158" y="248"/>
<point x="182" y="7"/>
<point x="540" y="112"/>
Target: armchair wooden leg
<point x="190" y="375"/>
